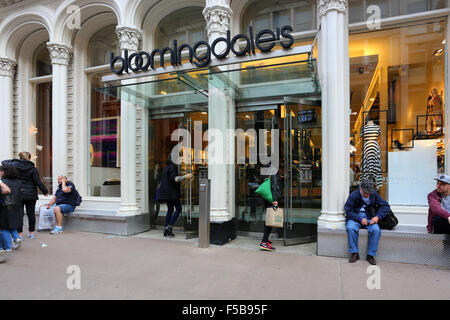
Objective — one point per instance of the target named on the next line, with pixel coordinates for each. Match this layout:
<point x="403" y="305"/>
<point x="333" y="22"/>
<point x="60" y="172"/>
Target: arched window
<point x="101" y="44"/>
<point x="42" y="62"/>
<point x="271" y="14"/>
<point x="186" y="25"/>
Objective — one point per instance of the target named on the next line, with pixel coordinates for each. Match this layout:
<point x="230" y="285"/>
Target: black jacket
<point x="276" y="188"/>
<point x="11" y="217"/>
<point x="29" y="177"/>
<point x="169" y="189"/>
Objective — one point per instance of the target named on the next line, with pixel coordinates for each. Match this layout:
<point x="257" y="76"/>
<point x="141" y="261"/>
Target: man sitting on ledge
<point x="364" y="209"/>
<point x="439" y="207"/>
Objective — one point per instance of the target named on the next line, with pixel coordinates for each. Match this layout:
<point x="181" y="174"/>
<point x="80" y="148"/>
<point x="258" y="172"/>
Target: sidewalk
<point x="149" y="266"/>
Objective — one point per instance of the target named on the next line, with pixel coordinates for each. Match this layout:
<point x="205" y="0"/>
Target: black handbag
<point x="389" y="222"/>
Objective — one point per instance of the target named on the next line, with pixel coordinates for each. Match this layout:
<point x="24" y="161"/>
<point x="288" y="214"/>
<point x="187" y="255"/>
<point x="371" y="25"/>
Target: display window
<point x="104" y="122"/>
<point x="397" y="98"/>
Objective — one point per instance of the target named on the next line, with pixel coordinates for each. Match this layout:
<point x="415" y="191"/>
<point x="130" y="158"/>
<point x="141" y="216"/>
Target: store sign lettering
<point x="264" y="41"/>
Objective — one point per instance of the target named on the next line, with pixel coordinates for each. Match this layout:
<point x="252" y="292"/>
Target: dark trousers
<point x="267" y="231"/>
<point x="441" y="225"/>
<point x="29" y="208"/>
<point x="171" y="216"/>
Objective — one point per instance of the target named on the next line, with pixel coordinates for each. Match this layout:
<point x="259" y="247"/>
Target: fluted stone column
<point x="7" y="68"/>
<point x="221" y="116"/>
<point x="334" y="76"/>
<point x="128" y="40"/>
<point x="60" y="55"/>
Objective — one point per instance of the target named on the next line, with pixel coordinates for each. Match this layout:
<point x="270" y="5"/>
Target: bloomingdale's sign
<point x="264" y="41"/>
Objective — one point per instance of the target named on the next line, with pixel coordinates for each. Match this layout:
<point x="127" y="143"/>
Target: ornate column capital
<point x="59" y="53"/>
<point x="129" y="38"/>
<point x="325" y="6"/>
<point x="7" y="67"/>
<point x="218" y="18"/>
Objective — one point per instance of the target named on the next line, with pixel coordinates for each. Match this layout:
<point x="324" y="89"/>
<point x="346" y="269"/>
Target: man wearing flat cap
<point x="364" y="209"/>
<point x="439" y="207"/>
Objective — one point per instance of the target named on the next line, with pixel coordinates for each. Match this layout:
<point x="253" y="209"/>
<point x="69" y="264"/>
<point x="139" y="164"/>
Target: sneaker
<point x="269" y="243"/>
<point x="8" y="250"/>
<point x="31" y="236"/>
<point x="56" y="230"/>
<point x="265" y="246"/>
<point x="16" y="243"/>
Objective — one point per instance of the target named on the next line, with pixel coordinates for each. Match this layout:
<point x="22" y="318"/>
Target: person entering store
<point x="170" y="192"/>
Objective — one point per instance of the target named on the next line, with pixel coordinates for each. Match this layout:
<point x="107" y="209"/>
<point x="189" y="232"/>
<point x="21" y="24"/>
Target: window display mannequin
<point x="435" y="106"/>
<point x="371" y="154"/>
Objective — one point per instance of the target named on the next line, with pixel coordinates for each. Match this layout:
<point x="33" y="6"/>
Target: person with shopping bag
<point x="271" y="191"/>
<point x="29" y="176"/>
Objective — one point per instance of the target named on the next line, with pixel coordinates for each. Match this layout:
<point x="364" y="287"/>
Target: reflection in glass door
<point x="301" y="132"/>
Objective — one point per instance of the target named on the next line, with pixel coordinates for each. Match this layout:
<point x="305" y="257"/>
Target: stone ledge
<point x="408" y="244"/>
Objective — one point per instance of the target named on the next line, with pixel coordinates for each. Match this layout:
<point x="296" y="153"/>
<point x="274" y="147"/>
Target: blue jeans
<point x="171" y="217"/>
<point x="353" y="235"/>
<point x="5" y="239"/>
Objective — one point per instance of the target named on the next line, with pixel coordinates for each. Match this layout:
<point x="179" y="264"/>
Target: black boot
<point x="170" y="233"/>
<point x="166" y="232"/>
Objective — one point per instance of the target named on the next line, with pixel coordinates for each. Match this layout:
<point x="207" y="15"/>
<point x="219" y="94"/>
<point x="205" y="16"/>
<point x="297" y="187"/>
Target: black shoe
<point x="371" y="260"/>
<point x="353" y="258"/>
<point x="170" y="233"/>
<point x="166" y="232"/>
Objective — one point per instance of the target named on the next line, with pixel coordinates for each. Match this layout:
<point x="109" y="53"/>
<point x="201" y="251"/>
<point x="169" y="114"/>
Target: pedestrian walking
<point x="170" y="193"/>
<point x="29" y="176"/>
<point x="11" y="208"/>
<point x="277" y="194"/>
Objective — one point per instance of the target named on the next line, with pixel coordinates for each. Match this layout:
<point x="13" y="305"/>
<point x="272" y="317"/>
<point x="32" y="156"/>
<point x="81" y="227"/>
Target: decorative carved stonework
<point x="328" y="5"/>
<point x="128" y="38"/>
<point x="59" y="53"/>
<point x="217" y="19"/>
<point x="7" y="67"/>
<point x="5" y="3"/>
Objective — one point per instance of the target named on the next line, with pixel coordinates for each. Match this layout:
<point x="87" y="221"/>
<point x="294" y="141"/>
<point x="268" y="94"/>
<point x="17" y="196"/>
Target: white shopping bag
<point x="46" y="219"/>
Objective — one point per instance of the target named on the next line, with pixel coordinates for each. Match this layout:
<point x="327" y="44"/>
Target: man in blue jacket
<point x="364" y="209"/>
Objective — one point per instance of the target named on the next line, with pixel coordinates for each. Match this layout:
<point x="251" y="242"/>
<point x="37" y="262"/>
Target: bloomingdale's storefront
<point x="326" y="94"/>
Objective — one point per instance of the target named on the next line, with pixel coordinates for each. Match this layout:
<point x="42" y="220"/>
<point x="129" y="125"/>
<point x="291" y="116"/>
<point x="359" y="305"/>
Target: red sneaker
<point x="265" y="246"/>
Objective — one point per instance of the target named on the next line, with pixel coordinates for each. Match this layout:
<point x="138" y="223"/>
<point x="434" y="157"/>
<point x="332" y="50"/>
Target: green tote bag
<point x="265" y="190"/>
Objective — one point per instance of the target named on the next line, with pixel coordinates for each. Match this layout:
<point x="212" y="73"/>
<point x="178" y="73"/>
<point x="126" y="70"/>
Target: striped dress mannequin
<point x="371" y="155"/>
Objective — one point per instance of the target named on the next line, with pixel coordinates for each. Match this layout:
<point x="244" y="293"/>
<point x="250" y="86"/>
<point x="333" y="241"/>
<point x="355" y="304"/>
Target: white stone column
<point x="129" y="40"/>
<point x="221" y="116"/>
<point x="6" y="108"/>
<point x="334" y="76"/>
<point x="60" y="55"/>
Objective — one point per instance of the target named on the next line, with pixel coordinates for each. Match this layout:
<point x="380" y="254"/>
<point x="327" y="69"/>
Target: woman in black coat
<point x="29" y="176"/>
<point x="170" y="192"/>
<point x="11" y="208"/>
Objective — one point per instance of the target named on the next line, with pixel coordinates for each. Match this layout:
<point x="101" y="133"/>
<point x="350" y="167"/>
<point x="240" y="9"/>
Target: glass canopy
<point x="242" y="82"/>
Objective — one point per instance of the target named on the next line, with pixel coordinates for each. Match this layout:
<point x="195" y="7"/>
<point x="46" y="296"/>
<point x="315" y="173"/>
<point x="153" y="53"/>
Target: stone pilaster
<point x="7" y="70"/>
<point x="221" y="116"/>
<point x="60" y="55"/>
<point x="334" y="76"/>
<point x="129" y="39"/>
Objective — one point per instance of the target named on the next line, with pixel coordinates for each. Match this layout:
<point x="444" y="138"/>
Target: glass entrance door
<point x="160" y="146"/>
<point x="301" y="132"/>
